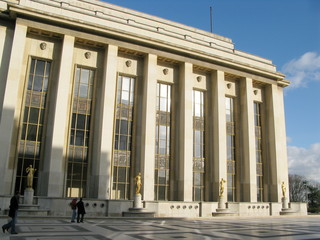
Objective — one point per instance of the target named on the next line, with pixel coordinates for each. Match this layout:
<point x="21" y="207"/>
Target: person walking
<point x="81" y="211"/>
<point x="73" y="205"/>
<point x="13" y="213"/>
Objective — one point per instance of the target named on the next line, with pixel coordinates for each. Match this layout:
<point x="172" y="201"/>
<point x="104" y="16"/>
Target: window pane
<point x="125" y="84"/>
<point x="32" y="132"/>
<point x="123" y="143"/>
<point x="122" y="173"/>
<point x="37" y="85"/>
<point x="163" y="91"/>
<point x="124" y="127"/>
<point x="34" y="114"/>
<point x="79" y="138"/>
<point x="40" y="68"/>
<point x="81" y="121"/>
<point x="163" y="104"/>
<point x="83" y="91"/>
<point x="85" y="76"/>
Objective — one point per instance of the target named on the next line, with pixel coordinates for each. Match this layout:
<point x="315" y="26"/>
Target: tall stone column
<point x="219" y="141"/>
<point x="9" y="121"/>
<point x="102" y="164"/>
<point x="5" y="49"/>
<point x="54" y="161"/>
<point x="249" y="173"/>
<point x="185" y="137"/>
<point x="277" y="142"/>
<point x="148" y="126"/>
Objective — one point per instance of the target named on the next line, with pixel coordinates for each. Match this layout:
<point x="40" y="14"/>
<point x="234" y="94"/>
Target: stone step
<point x="138" y="212"/>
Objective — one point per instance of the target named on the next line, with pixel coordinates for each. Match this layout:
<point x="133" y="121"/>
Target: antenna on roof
<point x="211" y="20"/>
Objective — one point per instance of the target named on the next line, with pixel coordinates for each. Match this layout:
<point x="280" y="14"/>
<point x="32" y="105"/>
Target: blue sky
<point x="284" y="31"/>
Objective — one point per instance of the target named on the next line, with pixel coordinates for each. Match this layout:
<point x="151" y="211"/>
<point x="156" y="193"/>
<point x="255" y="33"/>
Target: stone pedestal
<point x="137" y="203"/>
<point x="221" y="203"/>
<point x="286" y="209"/>
<point x="28" y="196"/>
<point x="222" y="211"/>
<point x="138" y="210"/>
<point x="285" y="204"/>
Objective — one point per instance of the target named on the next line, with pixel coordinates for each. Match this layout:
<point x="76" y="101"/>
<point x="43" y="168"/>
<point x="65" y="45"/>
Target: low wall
<point x="59" y="207"/>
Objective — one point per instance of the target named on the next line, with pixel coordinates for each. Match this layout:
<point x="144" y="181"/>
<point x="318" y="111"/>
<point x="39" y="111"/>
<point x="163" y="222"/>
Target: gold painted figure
<point x="283" y="186"/>
<point x="30" y="170"/>
<point x="138" y="183"/>
<point x="221" y="186"/>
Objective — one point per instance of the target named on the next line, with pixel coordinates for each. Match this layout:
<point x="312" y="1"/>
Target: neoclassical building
<point x="91" y="94"/>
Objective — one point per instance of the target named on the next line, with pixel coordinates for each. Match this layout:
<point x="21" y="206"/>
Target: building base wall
<point x="59" y="207"/>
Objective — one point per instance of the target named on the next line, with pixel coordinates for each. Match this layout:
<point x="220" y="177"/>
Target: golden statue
<point x="30" y="170"/>
<point x="283" y="186"/>
<point x="138" y="182"/>
<point x="221" y="186"/>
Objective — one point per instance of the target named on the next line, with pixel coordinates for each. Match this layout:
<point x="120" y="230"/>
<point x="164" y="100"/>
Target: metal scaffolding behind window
<point x="162" y="144"/>
<point x="231" y="157"/>
<point x="259" y="161"/>
<point x="198" y="145"/>
<point x="78" y="151"/>
<point x="31" y="139"/>
<point x="123" y="138"/>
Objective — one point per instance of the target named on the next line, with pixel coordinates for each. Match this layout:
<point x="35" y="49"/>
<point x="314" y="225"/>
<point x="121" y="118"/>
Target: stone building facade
<point x="91" y="94"/>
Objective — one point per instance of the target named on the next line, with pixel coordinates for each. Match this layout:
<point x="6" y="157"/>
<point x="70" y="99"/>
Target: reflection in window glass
<point x="162" y="144"/>
<point x="32" y="121"/>
<point x="79" y="133"/>
<point x="198" y="145"/>
<point x="121" y="161"/>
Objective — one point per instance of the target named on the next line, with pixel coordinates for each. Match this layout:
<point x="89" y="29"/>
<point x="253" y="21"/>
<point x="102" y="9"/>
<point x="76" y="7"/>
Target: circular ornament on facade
<point x="87" y="55"/>
<point x="102" y="205"/>
<point x="199" y="78"/>
<point x="178" y="207"/>
<point x="165" y="71"/>
<point x="171" y="206"/>
<point x="43" y="46"/>
<point x="255" y="92"/>
<point x="128" y="63"/>
<point x="196" y="207"/>
<point x="228" y="85"/>
<point x="94" y="205"/>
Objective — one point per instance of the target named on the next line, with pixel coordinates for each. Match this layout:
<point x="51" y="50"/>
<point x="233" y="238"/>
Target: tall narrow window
<point x="122" y="138"/>
<point x="198" y="146"/>
<point x="31" y="140"/>
<point x="163" y="123"/>
<point x="231" y="159"/>
<point x="259" y="160"/>
<point x="78" y="151"/>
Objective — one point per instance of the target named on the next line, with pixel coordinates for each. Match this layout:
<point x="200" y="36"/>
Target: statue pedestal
<point x="137" y="203"/>
<point x="286" y="209"/>
<point x="285" y="204"/>
<point x="28" y="196"/>
<point x="138" y="210"/>
<point x="221" y="203"/>
<point x="222" y="210"/>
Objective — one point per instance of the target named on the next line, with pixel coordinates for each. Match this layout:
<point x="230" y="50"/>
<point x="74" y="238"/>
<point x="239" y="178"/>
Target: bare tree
<point x="298" y="188"/>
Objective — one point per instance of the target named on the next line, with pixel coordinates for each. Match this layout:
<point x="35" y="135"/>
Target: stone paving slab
<point x="282" y="228"/>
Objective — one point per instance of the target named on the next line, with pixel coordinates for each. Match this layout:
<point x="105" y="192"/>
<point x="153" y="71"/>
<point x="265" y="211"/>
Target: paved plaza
<point x="146" y="229"/>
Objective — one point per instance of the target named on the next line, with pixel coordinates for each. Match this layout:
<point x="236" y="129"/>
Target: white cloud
<point x="305" y="162"/>
<point x="303" y="70"/>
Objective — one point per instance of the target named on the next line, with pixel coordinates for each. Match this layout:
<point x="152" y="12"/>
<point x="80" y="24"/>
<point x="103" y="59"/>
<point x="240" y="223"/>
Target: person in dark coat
<point x="81" y="211"/>
<point x="13" y="213"/>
